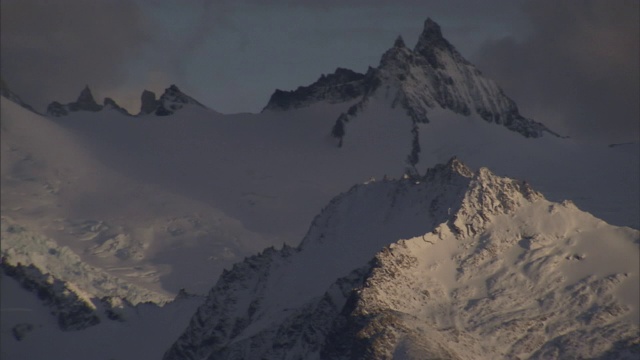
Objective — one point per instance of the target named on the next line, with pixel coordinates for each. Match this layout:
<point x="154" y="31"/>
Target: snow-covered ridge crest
<point x="354" y="289"/>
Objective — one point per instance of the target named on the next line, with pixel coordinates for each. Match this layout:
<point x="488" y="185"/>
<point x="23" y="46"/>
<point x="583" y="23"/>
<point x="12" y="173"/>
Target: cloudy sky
<point x="570" y="64"/>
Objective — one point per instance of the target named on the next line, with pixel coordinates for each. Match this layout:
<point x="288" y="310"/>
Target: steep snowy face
<point x="431" y="75"/>
<point x="486" y="258"/>
<point x="544" y="281"/>
<point x="434" y="73"/>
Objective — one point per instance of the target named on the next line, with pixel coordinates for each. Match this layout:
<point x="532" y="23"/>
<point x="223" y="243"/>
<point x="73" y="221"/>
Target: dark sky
<point x="570" y="64"/>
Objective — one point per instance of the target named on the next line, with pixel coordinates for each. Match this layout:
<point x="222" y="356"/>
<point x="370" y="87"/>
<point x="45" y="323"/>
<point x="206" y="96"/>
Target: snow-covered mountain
<point x="454" y="265"/>
<point x="106" y="203"/>
<point x="431" y="75"/>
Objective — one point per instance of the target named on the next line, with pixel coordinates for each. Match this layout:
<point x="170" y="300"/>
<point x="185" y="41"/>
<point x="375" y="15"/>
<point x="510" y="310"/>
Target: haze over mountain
<point x="101" y="202"/>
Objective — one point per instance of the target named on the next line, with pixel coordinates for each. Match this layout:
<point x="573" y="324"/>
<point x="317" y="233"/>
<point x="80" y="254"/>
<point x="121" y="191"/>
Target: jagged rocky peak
<point x="399" y="43"/>
<point x="85" y="102"/>
<point x="453" y="167"/>
<point x="457" y="264"/>
<point x="431" y="38"/>
<point x="434" y="74"/>
<point x="171" y="100"/>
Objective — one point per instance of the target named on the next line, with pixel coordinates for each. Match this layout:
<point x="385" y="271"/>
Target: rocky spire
<point x="399" y="43"/>
<point x="430" y="40"/>
<point x="85" y="101"/>
<point x="148" y="102"/>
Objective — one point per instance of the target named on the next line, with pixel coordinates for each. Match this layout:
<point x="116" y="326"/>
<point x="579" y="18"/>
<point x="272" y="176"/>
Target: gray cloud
<point x="51" y="49"/>
<point x="577" y="69"/>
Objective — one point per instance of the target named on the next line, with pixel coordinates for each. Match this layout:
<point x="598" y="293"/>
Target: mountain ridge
<point x="171" y="100"/>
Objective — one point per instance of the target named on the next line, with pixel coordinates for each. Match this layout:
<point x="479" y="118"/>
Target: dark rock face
<point x="71" y="312"/>
<point x="148" y="102"/>
<point x="56" y="109"/>
<point x="342" y="85"/>
<point x="431" y="40"/>
<point x="85" y="102"/>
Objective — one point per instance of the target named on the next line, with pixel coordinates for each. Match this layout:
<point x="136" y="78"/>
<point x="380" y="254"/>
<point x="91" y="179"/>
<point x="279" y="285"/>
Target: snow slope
<point x="29" y="331"/>
<point x="55" y="187"/>
<point x="456" y="264"/>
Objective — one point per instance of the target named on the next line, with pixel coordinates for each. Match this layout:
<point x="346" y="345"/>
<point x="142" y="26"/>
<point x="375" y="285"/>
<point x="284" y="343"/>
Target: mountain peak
<point x="85" y="102"/>
<point x="399" y="43"/>
<point x="432" y="26"/>
<point x="430" y="40"/>
<point x="86" y="95"/>
<point x="173" y="99"/>
<point x="391" y="265"/>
